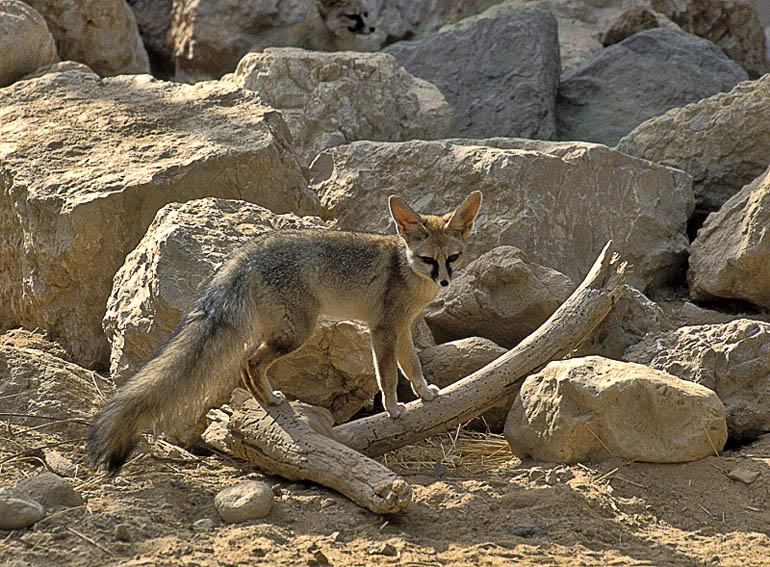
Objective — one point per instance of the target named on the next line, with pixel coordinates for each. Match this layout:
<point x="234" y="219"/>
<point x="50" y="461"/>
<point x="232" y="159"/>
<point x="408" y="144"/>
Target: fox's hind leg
<point x="292" y="334"/>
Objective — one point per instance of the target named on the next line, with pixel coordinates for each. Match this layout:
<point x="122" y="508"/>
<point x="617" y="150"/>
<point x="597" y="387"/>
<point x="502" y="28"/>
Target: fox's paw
<point x="276" y="398"/>
<point x="396" y="410"/>
<point x="429" y="392"/>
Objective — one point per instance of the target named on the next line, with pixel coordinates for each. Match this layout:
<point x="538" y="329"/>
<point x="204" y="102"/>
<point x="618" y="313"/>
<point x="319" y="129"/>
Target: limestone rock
<point x="381" y="100"/>
<point x="87" y="162"/>
<point x="244" y="501"/>
<point x="693" y="138"/>
<point x="732" y="24"/>
<point x="447" y="363"/>
<point x="498" y="74"/>
<point x="36" y="382"/>
<point x="103" y="34"/>
<point x="25" y="42"/>
<point x="52" y="491"/>
<point x="592" y="408"/>
<point x="733" y="359"/>
<point x="730" y="258"/>
<point x="18" y="510"/>
<point x="558" y="202"/>
<point x="604" y="99"/>
<point x="501" y="296"/>
<point x="161" y="279"/>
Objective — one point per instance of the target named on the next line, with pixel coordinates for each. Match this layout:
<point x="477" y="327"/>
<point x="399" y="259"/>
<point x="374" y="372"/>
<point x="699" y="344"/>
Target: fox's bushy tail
<point x="196" y="366"/>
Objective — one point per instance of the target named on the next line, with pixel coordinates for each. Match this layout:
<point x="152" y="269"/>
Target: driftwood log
<point x="277" y="441"/>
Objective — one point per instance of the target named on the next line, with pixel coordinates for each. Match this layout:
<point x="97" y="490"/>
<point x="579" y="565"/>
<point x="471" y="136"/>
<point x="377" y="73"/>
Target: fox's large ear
<point x="462" y="219"/>
<point x="407" y="221"/>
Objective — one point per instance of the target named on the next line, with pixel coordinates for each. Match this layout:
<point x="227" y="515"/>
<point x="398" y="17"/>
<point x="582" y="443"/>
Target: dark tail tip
<point x="106" y="455"/>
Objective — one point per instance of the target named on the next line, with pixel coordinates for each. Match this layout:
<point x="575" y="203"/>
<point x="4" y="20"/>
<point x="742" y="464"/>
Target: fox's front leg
<point x="412" y="368"/>
<point x="384" y="351"/>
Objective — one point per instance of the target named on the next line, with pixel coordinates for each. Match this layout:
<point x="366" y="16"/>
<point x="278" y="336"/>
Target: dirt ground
<point x="474" y="504"/>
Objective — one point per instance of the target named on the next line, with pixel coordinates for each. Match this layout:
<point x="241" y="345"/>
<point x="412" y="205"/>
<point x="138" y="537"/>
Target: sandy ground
<point x="474" y="504"/>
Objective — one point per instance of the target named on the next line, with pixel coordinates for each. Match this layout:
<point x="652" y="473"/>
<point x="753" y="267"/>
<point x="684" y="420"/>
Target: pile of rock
<point x="121" y="193"/>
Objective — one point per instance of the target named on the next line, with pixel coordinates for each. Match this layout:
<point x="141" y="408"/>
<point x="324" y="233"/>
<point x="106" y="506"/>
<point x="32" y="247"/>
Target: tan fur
<point x="264" y="302"/>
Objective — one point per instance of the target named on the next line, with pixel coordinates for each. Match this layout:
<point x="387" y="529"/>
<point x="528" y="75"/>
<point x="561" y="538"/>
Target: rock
<point x="632" y="22"/>
<point x="244" y="501"/>
<point x="498" y="74"/>
<point x="122" y="532"/>
<point x="137" y="144"/>
<point x="18" y="510"/>
<point x="36" y="382"/>
<point x="447" y="363"/>
<point x="161" y="279"/>
<point x="103" y="35"/>
<point x="743" y="474"/>
<point x="203" y="524"/>
<point x="603" y="100"/>
<point x="558" y="202"/>
<point x="731" y="24"/>
<point x="51" y="491"/>
<point x="631" y="318"/>
<point x="381" y="100"/>
<point x="60" y="464"/>
<point x="22" y="338"/>
<point x="693" y="138"/>
<point x="501" y="296"/>
<point x="593" y="408"/>
<point x="730" y="258"/>
<point x="25" y="42"/>
<point x="732" y="359"/>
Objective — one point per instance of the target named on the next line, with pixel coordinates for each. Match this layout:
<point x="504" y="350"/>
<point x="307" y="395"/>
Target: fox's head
<point x="345" y="17"/>
<point x="435" y="244"/>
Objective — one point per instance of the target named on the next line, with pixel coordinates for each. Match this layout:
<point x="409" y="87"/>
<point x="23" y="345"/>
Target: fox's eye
<point x="452" y="258"/>
<point x="427" y="259"/>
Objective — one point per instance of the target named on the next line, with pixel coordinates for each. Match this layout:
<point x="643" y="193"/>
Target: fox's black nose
<point x="444" y="283"/>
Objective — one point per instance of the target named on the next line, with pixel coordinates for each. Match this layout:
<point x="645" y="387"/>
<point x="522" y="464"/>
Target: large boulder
<point x="558" y="202"/>
<point x="25" y="42"/>
<point x="730" y="258"/>
<point x="501" y="296"/>
<point x="722" y="141"/>
<point x="328" y="99"/>
<point x="103" y="34"/>
<point x="604" y="99"/>
<point x="163" y="276"/>
<point x="593" y="408"/>
<point x="733" y="359"/>
<point x="85" y="164"/>
<point x="732" y="24"/>
<point x="499" y="73"/>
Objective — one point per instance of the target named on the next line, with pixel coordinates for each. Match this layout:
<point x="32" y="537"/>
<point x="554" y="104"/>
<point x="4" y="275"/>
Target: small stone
<point x="524" y="530"/>
<point x="203" y="524"/>
<point x="335" y="536"/>
<point x="51" y="491"/>
<point x="122" y="532"/>
<point x="18" y="509"/>
<point x="439" y="471"/>
<point x="121" y="481"/>
<point x="327" y="503"/>
<point x="383" y="548"/>
<point x="244" y="501"/>
<point x="742" y="474"/>
<point x="60" y="464"/>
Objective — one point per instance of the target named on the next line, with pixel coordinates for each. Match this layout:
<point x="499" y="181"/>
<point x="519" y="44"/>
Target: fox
<point x="263" y="303"/>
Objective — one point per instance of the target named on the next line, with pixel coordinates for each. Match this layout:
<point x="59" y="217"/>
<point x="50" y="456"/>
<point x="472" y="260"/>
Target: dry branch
<point x="575" y="319"/>
<point x="294" y="441"/>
